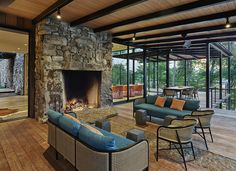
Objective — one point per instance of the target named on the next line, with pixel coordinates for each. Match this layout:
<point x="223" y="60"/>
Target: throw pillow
<point x="177" y="104"/>
<point x="92" y="129"/>
<point x="72" y="118"/>
<point x="160" y="101"/>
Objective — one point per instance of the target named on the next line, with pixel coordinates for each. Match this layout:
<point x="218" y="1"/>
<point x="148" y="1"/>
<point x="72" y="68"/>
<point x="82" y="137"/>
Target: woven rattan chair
<point x="204" y="122"/>
<point x="178" y="132"/>
<point x="169" y="93"/>
<point x="195" y="93"/>
<point x="188" y="92"/>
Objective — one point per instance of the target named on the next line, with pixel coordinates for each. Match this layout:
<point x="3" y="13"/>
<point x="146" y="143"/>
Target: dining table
<point x="179" y="89"/>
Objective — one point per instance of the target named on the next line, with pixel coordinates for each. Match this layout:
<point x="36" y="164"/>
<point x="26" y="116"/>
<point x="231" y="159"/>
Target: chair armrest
<point x="132" y="158"/>
<point x="139" y="101"/>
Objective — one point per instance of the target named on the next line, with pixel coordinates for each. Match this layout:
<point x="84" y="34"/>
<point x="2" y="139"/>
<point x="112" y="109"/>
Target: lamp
<point x="227" y="25"/>
<point x="58" y="14"/>
<point x="134" y="37"/>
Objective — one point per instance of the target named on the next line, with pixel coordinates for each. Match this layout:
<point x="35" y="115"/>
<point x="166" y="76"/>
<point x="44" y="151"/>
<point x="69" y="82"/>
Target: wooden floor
<point x="14" y="102"/>
<point x="23" y="145"/>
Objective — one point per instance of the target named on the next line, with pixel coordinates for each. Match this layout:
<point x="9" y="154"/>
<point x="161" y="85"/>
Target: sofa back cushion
<point x="54" y="116"/>
<point x="151" y="99"/>
<point x="69" y="125"/>
<point x="99" y="142"/>
<point x="168" y="102"/>
<point x="191" y="105"/>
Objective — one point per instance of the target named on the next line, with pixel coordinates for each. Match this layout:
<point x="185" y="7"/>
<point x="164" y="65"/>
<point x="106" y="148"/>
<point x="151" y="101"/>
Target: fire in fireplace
<point x="81" y="89"/>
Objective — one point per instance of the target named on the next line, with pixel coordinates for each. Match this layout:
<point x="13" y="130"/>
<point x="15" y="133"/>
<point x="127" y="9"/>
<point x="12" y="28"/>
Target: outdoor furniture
<point x="103" y="124"/>
<point x="169" y="93"/>
<point x="117" y="92"/>
<point x="195" y="93"/>
<point x="87" y="150"/>
<point x="141" y="117"/>
<point x="135" y="135"/>
<point x="168" y="119"/>
<point x="138" y="90"/>
<point x="204" y="122"/>
<point x="188" y="92"/>
<point x="178" y="89"/>
<point x="148" y="104"/>
<point x="179" y="132"/>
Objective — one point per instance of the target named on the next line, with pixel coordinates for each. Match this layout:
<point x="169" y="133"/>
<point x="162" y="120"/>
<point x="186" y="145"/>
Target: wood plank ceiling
<point x="155" y="23"/>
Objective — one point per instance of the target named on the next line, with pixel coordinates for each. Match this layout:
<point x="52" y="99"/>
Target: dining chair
<point x="179" y="132"/>
<point x="169" y="93"/>
<point x="195" y="93"/>
<point x="188" y="93"/>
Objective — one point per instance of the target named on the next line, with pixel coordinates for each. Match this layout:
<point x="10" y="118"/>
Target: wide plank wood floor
<point x="23" y="145"/>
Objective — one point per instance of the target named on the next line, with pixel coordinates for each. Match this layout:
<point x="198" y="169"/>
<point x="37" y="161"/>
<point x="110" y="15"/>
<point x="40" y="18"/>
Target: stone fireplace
<point x="81" y="90"/>
<point x="64" y="55"/>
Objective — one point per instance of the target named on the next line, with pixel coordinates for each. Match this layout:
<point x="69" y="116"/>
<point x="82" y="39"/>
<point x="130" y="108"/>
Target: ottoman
<point x="103" y="124"/>
<point x="140" y="117"/>
<point x="135" y="135"/>
<point x="168" y="120"/>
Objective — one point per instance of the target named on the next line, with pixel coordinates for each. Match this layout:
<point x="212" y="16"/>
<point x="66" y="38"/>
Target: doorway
<point x="14" y="62"/>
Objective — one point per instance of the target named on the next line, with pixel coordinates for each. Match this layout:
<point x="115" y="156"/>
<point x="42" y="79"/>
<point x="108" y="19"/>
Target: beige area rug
<point x="6" y="111"/>
<point x="205" y="159"/>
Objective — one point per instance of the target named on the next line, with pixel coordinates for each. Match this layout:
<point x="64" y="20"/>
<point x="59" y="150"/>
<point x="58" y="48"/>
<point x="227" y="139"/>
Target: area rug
<point x="204" y="159"/>
<point x="6" y="111"/>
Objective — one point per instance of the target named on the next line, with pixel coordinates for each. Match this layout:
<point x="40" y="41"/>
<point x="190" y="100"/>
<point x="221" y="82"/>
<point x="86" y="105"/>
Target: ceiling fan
<point x="5" y="3"/>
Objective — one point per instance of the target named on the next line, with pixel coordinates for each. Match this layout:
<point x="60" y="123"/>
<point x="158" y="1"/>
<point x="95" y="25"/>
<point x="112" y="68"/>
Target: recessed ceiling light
<point x="25" y="44"/>
<point x="18" y="48"/>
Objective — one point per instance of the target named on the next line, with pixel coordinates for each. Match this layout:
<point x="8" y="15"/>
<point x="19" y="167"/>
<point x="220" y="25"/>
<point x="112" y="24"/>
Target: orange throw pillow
<point x="177" y="104"/>
<point x="160" y="101"/>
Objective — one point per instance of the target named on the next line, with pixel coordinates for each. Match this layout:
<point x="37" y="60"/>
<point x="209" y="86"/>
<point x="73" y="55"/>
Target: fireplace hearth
<point x="81" y="90"/>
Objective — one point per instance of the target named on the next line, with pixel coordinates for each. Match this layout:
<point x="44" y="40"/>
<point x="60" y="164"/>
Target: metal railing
<point x="225" y="101"/>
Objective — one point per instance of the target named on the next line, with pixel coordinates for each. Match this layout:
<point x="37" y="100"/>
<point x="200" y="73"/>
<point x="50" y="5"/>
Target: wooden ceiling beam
<point x="193" y="42"/>
<point x="105" y="11"/>
<point x="162" y="13"/>
<point x="50" y="10"/>
<point x="174" y="33"/>
<point x="211" y="35"/>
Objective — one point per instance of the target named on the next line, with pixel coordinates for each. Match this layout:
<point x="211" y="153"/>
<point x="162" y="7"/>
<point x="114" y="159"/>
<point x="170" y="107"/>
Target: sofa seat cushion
<point x="54" y="116"/>
<point x="97" y="141"/>
<point x="69" y="126"/>
<point x="162" y="112"/>
<point x="121" y="142"/>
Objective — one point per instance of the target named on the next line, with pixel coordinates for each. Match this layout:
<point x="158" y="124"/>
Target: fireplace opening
<point x="81" y="90"/>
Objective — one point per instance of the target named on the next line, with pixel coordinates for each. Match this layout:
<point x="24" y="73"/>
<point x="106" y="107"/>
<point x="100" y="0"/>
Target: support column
<point x="208" y="48"/>
<point x="127" y="73"/>
<point x="220" y="75"/>
<point x="120" y="74"/>
<point x="154" y="75"/>
<point x="229" y="74"/>
<point x="157" y="74"/>
<point x="167" y="70"/>
<point x="144" y="74"/>
<point x="133" y="81"/>
<point x="185" y="72"/>
<point x="148" y="72"/>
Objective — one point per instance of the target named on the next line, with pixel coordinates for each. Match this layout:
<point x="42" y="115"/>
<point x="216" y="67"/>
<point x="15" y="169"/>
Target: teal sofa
<point x="87" y="151"/>
<point x="148" y="104"/>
